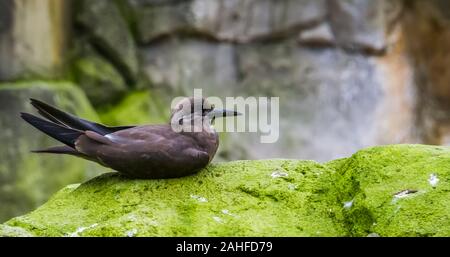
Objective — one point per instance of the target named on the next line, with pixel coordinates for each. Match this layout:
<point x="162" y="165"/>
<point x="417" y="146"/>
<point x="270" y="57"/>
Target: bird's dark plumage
<point x="61" y="133"/>
<point x="65" y="119"/>
<point x="149" y="151"/>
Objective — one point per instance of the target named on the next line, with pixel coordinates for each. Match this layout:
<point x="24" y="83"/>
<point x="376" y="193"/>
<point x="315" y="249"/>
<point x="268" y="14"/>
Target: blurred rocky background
<point x="349" y="74"/>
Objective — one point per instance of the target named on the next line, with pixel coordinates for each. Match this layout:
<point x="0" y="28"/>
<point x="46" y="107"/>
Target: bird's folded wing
<point x="65" y="119"/>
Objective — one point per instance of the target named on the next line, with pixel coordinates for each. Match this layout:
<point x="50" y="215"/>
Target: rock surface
<point x="26" y="179"/>
<point x="327" y="61"/>
<point x="230" y="20"/>
<point x="321" y="93"/>
<point x="396" y="190"/>
<point x="427" y="32"/>
<point x="358" y="25"/>
<point x="399" y="190"/>
<point x="34" y="38"/>
<point x="100" y="80"/>
<point x="109" y="32"/>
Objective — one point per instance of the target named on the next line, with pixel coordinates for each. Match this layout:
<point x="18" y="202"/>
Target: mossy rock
<point x="99" y="79"/>
<point x="136" y="108"/>
<point x="8" y="231"/>
<point x="237" y="198"/>
<point x="27" y="180"/>
<point x="109" y="32"/>
<point x="347" y="197"/>
<point x="397" y="191"/>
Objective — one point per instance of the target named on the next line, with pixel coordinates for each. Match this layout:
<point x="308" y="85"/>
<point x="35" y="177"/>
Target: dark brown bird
<point x="182" y="147"/>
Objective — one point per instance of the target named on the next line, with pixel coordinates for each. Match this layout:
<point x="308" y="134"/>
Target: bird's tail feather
<point x="62" y="149"/>
<point x="65" y="135"/>
<point x="68" y="120"/>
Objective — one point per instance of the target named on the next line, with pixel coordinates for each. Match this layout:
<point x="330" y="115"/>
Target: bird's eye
<point x="212" y="106"/>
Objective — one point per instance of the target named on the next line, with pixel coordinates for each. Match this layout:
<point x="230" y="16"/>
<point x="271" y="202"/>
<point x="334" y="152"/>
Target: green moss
<point x="238" y="198"/>
<point x="346" y="197"/>
<point x="8" y="231"/>
<point x="102" y="83"/>
<point x="373" y="177"/>
<point x="139" y="107"/>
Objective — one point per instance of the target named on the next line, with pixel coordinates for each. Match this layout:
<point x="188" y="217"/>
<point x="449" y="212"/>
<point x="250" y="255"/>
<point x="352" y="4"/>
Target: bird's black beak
<point x="216" y="113"/>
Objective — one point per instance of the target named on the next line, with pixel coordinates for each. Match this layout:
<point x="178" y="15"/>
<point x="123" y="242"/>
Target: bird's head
<point x="189" y="110"/>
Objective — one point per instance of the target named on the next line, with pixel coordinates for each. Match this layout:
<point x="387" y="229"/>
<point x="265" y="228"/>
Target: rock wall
<point x="427" y="26"/>
<point x="339" y="68"/>
<point x="33" y="38"/>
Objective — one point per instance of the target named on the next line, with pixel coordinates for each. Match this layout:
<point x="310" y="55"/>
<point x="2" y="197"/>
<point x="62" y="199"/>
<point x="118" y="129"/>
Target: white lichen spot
<point x="433" y="180"/>
<point x="199" y="198"/>
<point x="404" y="193"/>
<point x="73" y="186"/>
<point x="278" y="174"/>
<point x="132" y="218"/>
<point x="217" y="219"/>
<point x="227" y="212"/>
<point x="292" y="187"/>
<point x="81" y="229"/>
<point x="131" y="233"/>
<point x="348" y="205"/>
<point x="373" y="235"/>
<point x="153" y="223"/>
